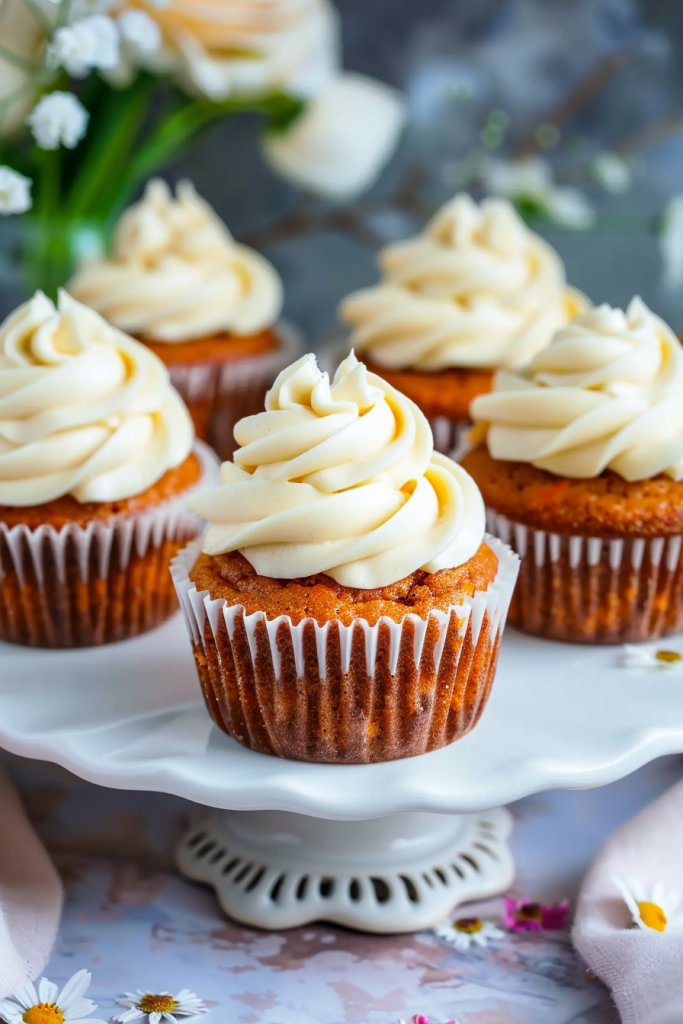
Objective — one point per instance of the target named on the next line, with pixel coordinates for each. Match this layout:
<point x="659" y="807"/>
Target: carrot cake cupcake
<point x="581" y="468"/>
<point x="345" y="606"/>
<point x="96" y="463"/>
<point x="206" y="306"/>
<point x="477" y="290"/>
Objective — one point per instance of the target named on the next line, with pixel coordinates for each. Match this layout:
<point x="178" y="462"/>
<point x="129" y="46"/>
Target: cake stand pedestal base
<point x="400" y="873"/>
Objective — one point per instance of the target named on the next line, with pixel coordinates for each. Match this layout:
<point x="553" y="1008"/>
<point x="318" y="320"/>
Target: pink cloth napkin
<point x="30" y="896"/>
<point x="643" y="968"/>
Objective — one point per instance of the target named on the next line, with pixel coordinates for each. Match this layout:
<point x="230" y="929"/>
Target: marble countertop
<point x="134" y="922"/>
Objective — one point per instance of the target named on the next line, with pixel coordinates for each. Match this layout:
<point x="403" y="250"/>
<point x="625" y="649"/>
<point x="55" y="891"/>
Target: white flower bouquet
<point x="95" y="95"/>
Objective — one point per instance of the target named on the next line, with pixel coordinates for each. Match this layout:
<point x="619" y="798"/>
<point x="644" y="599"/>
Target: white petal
<point x="612" y="171"/>
<point x="570" y="207"/>
<point x="79" y="1008"/>
<point x="155" y="1018"/>
<point x="131" y="1014"/>
<point x="339" y="144"/>
<point x="140" y="31"/>
<point x="74" y="990"/>
<point x="635" y="657"/>
<point x="10" y="1012"/>
<point x="47" y="991"/>
<point x="187" y="996"/>
<point x="27" y="996"/>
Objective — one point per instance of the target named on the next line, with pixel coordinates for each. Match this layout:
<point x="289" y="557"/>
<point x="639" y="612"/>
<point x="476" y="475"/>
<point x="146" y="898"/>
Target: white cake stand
<point x="385" y="848"/>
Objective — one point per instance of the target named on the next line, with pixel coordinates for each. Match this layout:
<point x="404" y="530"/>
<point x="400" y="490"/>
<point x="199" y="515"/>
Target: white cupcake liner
<point x="548" y="547"/>
<point x="450" y="436"/>
<point x="632" y="587"/>
<point x="134" y="535"/>
<point x="495" y="601"/>
<point x="407" y="659"/>
<point x="41" y="567"/>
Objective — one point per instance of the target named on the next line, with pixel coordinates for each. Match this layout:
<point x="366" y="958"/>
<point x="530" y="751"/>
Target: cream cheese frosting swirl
<point x="176" y="273"/>
<point x="341" y="479"/>
<point x="476" y="289"/>
<point x="606" y="394"/>
<point x="84" y="409"/>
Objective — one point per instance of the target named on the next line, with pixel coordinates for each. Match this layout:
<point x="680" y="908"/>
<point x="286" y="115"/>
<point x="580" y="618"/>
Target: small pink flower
<point x="525" y="916"/>
<point x="421" y="1019"/>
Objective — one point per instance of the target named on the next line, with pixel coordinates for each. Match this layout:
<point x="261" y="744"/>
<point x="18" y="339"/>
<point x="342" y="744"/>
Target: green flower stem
<point x="47" y="257"/>
<point x="116" y="124"/>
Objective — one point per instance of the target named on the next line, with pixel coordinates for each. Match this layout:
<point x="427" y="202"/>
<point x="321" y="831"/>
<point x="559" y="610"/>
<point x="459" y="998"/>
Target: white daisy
<point x="653" y="908"/>
<point x="468" y="931"/>
<point x="47" y="1005"/>
<point x="633" y="656"/>
<point x="159" y="1007"/>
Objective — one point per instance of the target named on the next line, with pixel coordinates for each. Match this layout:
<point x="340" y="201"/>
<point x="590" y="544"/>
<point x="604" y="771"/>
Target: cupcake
<point x="474" y="292"/>
<point x="96" y="463"/>
<point x="207" y="307"/>
<point x="581" y="469"/>
<point x="345" y="606"/>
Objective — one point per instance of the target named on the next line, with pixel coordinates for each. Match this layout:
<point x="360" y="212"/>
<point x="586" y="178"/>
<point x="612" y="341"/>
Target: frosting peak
<point x="606" y="394"/>
<point x="476" y="289"/>
<point x="176" y="273"/>
<point x="84" y="409"/>
<point x="341" y="478"/>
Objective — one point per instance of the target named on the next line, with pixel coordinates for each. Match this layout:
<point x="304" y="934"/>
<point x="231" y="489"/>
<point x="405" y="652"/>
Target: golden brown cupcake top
<point x="603" y="506"/>
<point x="230" y="576"/>
<point x="66" y="510"/>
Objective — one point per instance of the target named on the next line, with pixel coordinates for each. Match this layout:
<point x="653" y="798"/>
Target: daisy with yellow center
<point x="653" y="908"/>
<point x="464" y="932"/>
<point x="47" y="1005"/>
<point x="638" y="656"/>
<point x="160" y="1006"/>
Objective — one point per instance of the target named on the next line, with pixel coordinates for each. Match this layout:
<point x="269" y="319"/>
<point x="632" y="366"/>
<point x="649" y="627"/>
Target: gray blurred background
<point x="584" y="76"/>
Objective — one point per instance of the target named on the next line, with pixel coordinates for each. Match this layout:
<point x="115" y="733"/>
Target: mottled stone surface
<point x="134" y="923"/>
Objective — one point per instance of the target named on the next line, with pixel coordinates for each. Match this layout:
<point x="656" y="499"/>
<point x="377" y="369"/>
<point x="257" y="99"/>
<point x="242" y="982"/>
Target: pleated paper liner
<point x="82" y="586"/>
<point x="346" y="694"/>
<point x="449" y="435"/>
<point x="219" y="395"/>
<point x="592" y="589"/>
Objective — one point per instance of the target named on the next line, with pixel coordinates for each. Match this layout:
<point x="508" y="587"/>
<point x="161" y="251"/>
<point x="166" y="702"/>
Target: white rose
<point x="234" y="47"/>
<point x="343" y="139"/>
